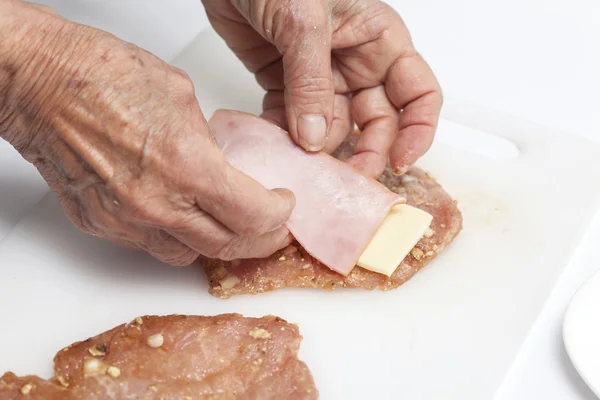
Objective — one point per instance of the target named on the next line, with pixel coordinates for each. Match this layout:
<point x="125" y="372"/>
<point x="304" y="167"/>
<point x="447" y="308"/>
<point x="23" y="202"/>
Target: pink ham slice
<point x="337" y="211"/>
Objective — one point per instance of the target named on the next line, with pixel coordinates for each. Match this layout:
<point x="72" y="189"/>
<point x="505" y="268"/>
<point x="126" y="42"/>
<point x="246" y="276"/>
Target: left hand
<point x="120" y="138"/>
<point x="329" y="63"/>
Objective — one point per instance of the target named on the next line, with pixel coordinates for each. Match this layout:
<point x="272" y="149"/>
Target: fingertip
<point x="262" y="246"/>
<point x="289" y="200"/>
<point x="369" y="164"/>
<point x="409" y="146"/>
<point x="399" y="170"/>
<point x="342" y="124"/>
<point x="401" y="159"/>
<point x="185" y="260"/>
<point x="287" y="239"/>
<point x="312" y="131"/>
<point x="272" y="242"/>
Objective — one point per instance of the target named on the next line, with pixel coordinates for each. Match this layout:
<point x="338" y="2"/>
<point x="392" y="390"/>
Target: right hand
<point x="327" y="64"/>
<point x="119" y="136"/>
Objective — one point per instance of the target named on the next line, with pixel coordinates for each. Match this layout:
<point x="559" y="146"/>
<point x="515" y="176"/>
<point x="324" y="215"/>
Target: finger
<point x="270" y="77"/>
<point x="378" y="120"/>
<point x="212" y="239"/>
<point x="102" y="216"/>
<point x="366" y="44"/>
<point x="413" y="88"/>
<point x="242" y="204"/>
<point x="274" y="108"/>
<point x="341" y="125"/>
<point x="306" y="48"/>
<point x="370" y="55"/>
<point x="166" y="248"/>
<point x="124" y="244"/>
<point x="156" y="242"/>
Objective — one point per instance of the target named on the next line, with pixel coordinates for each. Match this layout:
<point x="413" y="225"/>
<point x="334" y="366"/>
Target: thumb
<point x="308" y="81"/>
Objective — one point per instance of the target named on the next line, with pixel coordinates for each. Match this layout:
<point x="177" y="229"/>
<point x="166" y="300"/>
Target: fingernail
<point x="398" y="170"/>
<point x="311" y="131"/>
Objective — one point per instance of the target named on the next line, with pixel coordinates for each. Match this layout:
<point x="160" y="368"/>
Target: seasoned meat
<point x="30" y="387"/>
<point x="177" y="357"/>
<point x="294" y="267"/>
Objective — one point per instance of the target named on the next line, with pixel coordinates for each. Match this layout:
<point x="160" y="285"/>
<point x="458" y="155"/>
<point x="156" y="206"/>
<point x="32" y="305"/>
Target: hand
<point x="119" y="136"/>
<point x="328" y="63"/>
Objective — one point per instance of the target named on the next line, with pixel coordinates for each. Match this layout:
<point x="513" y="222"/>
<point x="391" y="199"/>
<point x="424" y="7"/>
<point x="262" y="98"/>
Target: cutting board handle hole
<point x="476" y="141"/>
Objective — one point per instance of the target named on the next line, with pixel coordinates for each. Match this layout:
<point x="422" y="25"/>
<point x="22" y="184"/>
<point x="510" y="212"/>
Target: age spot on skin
<point x="7" y="75"/>
<point x="7" y="71"/>
<point x="139" y="60"/>
<point x="77" y="82"/>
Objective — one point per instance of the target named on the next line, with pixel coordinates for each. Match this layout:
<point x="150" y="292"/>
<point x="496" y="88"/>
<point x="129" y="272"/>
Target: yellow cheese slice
<point x="398" y="234"/>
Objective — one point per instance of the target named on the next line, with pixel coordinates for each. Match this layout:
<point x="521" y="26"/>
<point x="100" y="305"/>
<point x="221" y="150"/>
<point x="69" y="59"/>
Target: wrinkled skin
<point x="120" y="138"/>
<point x="347" y="60"/>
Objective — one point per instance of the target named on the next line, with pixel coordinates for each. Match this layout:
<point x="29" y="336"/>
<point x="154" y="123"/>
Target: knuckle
<point x="255" y="222"/>
<point x="183" y="84"/>
<point x="309" y="90"/>
<point x="228" y="251"/>
<point x="140" y="210"/>
<point x="95" y="216"/>
<point x="253" y="216"/>
<point x="140" y="200"/>
<point x="185" y="258"/>
<point x="309" y="84"/>
<point x="298" y="24"/>
<point x="369" y="25"/>
<point x="305" y="23"/>
<point x="180" y="257"/>
<point x="216" y="186"/>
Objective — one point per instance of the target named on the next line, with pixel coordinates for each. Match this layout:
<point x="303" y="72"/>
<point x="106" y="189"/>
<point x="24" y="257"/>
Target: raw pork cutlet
<point x="177" y="357"/>
<point x="294" y="267"/>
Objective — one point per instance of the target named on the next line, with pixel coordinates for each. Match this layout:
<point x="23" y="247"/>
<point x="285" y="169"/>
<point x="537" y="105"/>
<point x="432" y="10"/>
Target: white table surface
<point x="544" y="72"/>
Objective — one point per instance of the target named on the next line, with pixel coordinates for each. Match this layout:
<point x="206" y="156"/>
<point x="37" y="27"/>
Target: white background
<point x="533" y="58"/>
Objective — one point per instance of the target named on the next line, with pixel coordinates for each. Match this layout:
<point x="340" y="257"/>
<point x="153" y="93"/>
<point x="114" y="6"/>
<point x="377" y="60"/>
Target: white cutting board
<point x="449" y="333"/>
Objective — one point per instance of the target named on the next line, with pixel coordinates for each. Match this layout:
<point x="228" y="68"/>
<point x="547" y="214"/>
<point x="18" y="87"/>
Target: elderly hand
<point x="119" y="136"/>
<point x="329" y="63"/>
